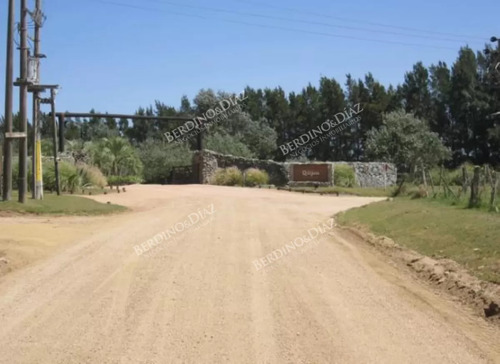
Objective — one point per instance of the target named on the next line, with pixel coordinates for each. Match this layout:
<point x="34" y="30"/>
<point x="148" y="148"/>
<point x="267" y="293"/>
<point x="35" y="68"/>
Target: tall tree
<point x="416" y="93"/>
<point x="440" y="86"/>
<point x="332" y="102"/>
<point x="406" y="141"/>
<point x="469" y="109"/>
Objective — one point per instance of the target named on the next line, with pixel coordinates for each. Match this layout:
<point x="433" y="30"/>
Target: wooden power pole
<point x="9" y="88"/>
<point x="37" y="182"/>
<point x="23" y="110"/>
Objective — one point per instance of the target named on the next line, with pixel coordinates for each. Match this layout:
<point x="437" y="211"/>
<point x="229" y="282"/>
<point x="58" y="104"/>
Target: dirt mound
<point x="446" y="274"/>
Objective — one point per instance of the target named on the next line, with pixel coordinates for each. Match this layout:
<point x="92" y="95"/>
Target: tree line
<point x="452" y="104"/>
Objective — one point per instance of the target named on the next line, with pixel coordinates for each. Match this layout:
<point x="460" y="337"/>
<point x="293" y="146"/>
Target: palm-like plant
<point x="115" y="156"/>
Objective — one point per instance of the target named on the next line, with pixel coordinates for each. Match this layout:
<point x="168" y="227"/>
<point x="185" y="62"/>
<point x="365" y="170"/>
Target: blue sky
<point x="117" y="55"/>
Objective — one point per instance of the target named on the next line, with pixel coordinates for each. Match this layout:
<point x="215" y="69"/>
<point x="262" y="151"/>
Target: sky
<point x="118" y="55"/>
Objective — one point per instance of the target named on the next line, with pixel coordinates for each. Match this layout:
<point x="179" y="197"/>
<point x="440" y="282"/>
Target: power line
<point x="156" y="10"/>
<point x="328" y="16"/>
<point x="303" y="21"/>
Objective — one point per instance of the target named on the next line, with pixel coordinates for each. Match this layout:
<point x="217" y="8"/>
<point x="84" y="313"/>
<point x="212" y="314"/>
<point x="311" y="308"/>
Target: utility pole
<point x="9" y="88"/>
<point x="37" y="182"/>
<point x="23" y="96"/>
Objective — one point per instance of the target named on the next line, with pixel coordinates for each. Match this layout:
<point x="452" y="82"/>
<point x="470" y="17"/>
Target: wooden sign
<point x="310" y="173"/>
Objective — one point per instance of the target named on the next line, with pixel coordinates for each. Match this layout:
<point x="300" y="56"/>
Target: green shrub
<point x="231" y="176"/>
<point x="344" y="176"/>
<point x="234" y="177"/>
<point x="91" y="176"/>
<point x="69" y="178"/>
<point x="219" y="177"/>
<point x="451" y="177"/>
<point x="15" y="173"/>
<point x="228" y="144"/>
<point x="115" y="156"/>
<point x="456" y="176"/>
<point x="255" y="177"/>
<point x="159" y="158"/>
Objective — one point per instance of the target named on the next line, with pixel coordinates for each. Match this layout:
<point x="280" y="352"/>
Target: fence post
<point x="494" y="186"/>
<point x="474" y="188"/>
<point x="465" y="180"/>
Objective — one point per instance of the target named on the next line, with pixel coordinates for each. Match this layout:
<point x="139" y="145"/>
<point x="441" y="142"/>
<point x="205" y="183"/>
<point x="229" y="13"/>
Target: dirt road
<point x="218" y="291"/>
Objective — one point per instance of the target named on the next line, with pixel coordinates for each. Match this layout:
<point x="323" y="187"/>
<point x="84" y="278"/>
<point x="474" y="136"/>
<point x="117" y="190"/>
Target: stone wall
<point x="373" y="174"/>
<point x="206" y="163"/>
<point x="368" y="174"/>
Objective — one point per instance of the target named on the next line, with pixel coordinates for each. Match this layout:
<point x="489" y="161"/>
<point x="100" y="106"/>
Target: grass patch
<point x="59" y="205"/>
<point x="354" y="191"/>
<point x="470" y="237"/>
<point x="231" y="176"/>
<point x="456" y="198"/>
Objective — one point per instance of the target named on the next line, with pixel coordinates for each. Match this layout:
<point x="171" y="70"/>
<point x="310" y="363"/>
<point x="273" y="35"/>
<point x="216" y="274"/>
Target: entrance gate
<point x="182" y="175"/>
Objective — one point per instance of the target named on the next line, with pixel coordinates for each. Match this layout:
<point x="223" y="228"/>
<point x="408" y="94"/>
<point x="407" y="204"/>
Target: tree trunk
<point x="400" y="187"/>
